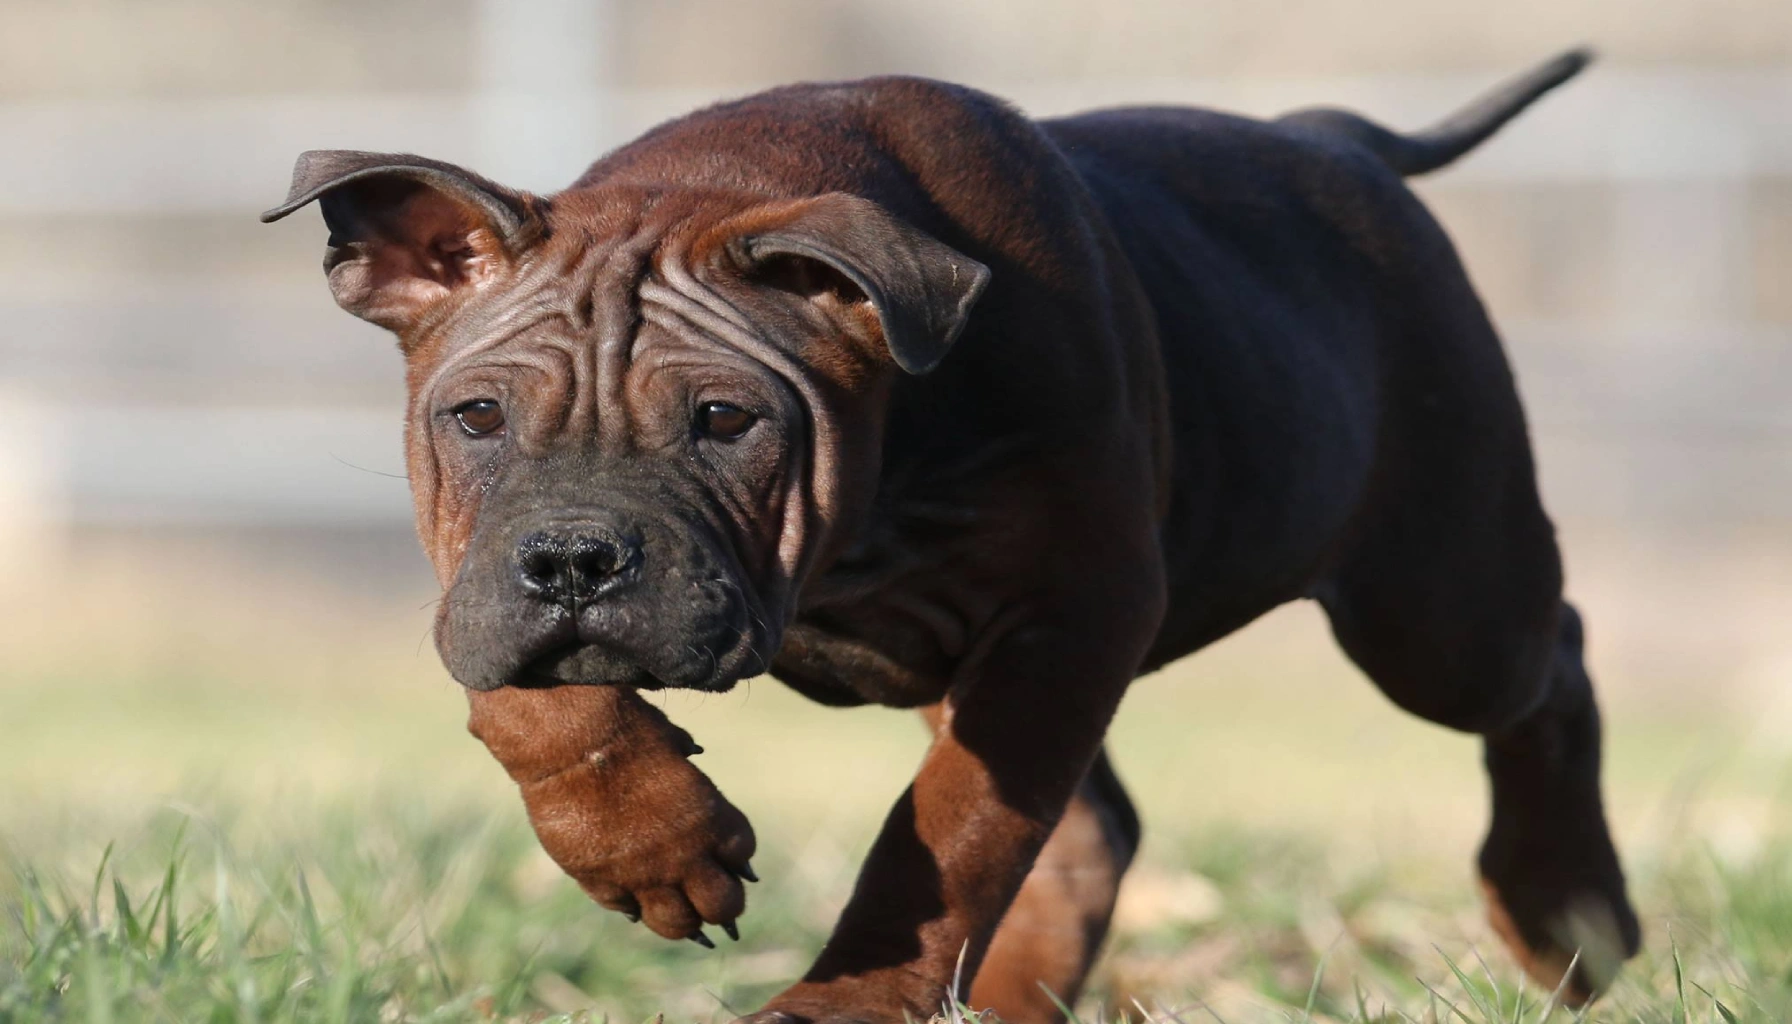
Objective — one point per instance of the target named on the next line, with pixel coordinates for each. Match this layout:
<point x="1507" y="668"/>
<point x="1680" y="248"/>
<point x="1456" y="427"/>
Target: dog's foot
<point x="616" y="802"/>
<point x="1552" y="920"/>
<point x="670" y="852"/>
<point x="1554" y="887"/>
<point x="1587" y="932"/>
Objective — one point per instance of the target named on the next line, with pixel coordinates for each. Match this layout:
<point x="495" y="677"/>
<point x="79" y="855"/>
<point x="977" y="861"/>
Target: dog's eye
<point x="721" y="420"/>
<point x="480" y="417"/>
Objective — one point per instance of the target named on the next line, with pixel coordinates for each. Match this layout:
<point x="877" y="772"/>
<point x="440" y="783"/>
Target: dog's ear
<point x="921" y="289"/>
<point x="407" y="232"/>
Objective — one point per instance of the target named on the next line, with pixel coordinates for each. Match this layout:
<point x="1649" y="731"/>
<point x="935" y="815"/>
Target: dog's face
<point x="638" y="419"/>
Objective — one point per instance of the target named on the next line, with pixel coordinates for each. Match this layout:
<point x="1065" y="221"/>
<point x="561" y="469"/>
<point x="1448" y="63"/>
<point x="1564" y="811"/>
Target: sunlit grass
<point x="377" y="910"/>
<point x="261" y="804"/>
<point x="356" y="912"/>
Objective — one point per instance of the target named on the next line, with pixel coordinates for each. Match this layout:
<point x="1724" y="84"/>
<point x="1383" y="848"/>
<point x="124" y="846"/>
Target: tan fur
<point x="608" y="787"/>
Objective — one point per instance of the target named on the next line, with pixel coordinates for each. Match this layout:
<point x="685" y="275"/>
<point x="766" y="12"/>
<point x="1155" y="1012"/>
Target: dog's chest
<point x="894" y="618"/>
<point x="841" y="669"/>
<point x="890" y="630"/>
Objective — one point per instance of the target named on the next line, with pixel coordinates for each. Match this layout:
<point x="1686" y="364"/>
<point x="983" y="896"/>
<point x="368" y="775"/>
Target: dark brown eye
<point x="481" y="417"/>
<point x="721" y="420"/>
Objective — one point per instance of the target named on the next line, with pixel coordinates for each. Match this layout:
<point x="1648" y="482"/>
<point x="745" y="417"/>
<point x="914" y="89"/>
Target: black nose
<point x="574" y="566"/>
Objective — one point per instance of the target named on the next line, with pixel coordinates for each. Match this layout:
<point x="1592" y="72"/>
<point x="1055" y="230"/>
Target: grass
<point x="386" y="910"/>
<point x="255" y="801"/>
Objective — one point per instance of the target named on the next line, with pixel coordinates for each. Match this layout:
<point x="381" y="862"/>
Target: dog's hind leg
<point x="1451" y="604"/>
<point x="1053" y="930"/>
<point x="1548" y="868"/>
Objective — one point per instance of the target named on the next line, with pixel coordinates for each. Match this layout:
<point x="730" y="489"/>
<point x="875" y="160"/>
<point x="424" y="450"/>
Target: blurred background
<point x="212" y="595"/>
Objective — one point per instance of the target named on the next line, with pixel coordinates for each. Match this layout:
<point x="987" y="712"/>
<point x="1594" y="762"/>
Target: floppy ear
<point x="921" y="289"/>
<point x="407" y="232"/>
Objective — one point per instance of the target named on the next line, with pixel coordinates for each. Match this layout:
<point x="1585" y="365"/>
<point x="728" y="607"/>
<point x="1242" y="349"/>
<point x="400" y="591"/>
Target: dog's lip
<point x="538" y="670"/>
<point x="726" y="668"/>
<point x="546" y="653"/>
<point x="550" y="644"/>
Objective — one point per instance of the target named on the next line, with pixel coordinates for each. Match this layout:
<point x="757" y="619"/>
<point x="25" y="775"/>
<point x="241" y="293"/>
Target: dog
<point x="904" y="398"/>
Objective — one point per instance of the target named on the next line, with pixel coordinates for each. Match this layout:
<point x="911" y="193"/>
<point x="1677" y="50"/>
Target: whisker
<point x="364" y="469"/>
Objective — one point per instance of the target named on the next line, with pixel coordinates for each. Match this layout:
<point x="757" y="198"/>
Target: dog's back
<point x="1312" y="317"/>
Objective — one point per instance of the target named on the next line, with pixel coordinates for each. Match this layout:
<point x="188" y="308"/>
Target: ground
<point x="272" y="812"/>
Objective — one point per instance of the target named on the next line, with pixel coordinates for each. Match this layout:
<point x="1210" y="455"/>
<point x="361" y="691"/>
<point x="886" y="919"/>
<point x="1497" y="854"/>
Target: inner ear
<point x="397" y="245"/>
<point x="809" y="278"/>
<point x="407" y="232"/>
<point x="920" y="289"/>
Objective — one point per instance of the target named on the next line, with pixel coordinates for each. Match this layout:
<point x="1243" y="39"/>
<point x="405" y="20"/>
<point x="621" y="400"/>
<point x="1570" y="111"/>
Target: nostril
<point x="594" y="562"/>
<point x="539" y="566"/>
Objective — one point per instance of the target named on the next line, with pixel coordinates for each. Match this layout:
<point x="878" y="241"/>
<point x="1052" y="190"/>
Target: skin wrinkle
<point x="696" y="338"/>
<point x="735" y="494"/>
<point x="620" y="276"/>
<point x="577" y="279"/>
<point x="806" y="495"/>
<point x="423" y="425"/>
<point x="684" y="298"/>
<point x="742" y="511"/>
<point x="527" y="304"/>
<point x="421" y="431"/>
<point x="491" y="324"/>
<point x="572" y="411"/>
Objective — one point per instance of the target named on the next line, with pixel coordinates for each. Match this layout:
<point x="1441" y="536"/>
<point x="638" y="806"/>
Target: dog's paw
<point x="646" y="834"/>
<point x="1548" y="934"/>
<point x="617" y="803"/>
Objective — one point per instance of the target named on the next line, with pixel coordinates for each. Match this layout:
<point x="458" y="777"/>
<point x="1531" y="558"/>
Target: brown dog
<point x="907" y="399"/>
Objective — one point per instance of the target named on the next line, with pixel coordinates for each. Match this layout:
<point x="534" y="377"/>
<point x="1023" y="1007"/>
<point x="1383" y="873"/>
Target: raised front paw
<point x="650" y="837"/>
<point x="617" y="803"/>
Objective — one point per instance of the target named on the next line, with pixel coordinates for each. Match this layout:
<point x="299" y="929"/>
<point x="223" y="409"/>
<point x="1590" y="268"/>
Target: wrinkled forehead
<point x="573" y="284"/>
<point x="620" y="278"/>
<point x="609" y="262"/>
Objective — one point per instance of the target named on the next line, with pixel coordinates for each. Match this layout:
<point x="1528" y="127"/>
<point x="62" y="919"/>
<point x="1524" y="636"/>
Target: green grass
<point x="257" y="802"/>
<point x="387" y="910"/>
<point x="356" y="912"/>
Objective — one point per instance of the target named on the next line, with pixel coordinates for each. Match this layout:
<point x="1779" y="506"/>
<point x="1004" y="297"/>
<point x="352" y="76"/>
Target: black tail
<point x="1437" y="146"/>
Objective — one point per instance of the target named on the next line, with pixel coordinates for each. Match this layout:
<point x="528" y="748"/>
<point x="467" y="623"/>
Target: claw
<point x="732" y="930"/>
<point x="633" y="918"/>
<point x="703" y="940"/>
<point x="746" y="872"/>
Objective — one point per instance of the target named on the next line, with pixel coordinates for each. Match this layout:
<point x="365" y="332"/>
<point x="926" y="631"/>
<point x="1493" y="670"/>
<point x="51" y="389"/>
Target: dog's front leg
<point x="1019" y="733"/>
<point x="618" y="805"/>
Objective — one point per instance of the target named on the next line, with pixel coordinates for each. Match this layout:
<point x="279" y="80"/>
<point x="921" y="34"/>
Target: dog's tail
<point x="1442" y="143"/>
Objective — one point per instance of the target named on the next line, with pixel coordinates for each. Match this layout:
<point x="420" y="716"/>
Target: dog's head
<point x="638" y="418"/>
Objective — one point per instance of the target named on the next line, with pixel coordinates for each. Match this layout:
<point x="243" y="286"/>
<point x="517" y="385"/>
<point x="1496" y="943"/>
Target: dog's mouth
<point x="584" y="664"/>
<point x="568" y="654"/>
